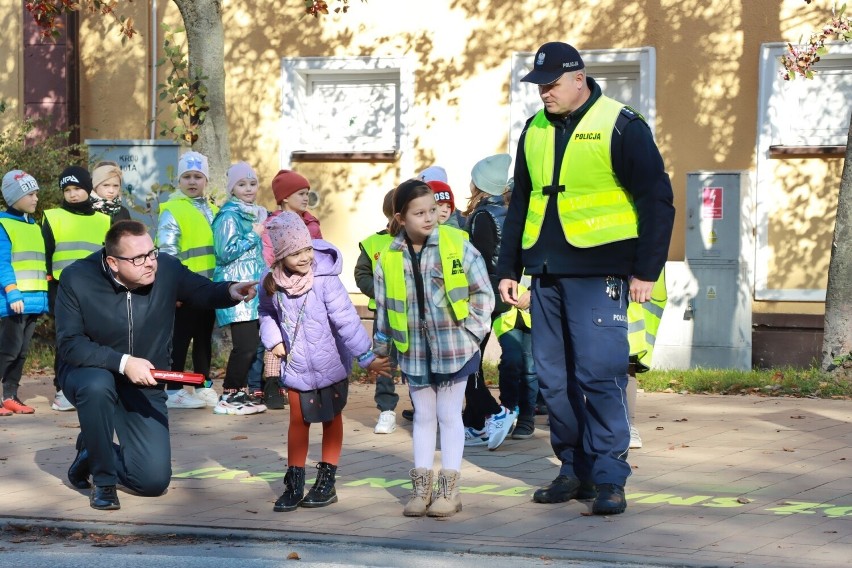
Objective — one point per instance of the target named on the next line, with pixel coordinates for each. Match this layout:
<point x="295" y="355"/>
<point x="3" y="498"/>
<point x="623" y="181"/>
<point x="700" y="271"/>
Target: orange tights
<point x="298" y="436"/>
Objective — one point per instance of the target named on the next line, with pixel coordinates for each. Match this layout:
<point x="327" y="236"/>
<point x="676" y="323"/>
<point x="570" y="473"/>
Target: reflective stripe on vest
<point x="76" y="236"/>
<point x="593" y="209"/>
<point x="373" y="246"/>
<point x="508" y="320"/>
<point x="28" y="255"/>
<point x="643" y="321"/>
<point x="451" y="252"/>
<point x="196" y="236"/>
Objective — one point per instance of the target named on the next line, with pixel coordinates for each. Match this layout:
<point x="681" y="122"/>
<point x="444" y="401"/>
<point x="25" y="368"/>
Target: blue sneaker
<point x="498" y="426"/>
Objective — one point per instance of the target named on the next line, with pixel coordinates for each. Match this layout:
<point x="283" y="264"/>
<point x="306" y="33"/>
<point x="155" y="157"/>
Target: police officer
<point x="592" y="206"/>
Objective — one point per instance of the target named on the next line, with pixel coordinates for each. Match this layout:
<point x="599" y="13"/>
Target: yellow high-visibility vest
<point x="196" y="236"/>
<point x="373" y="246"/>
<point x="451" y="251"/>
<point x="28" y="255"/>
<point x="76" y="236"/>
<point x="643" y="321"/>
<point x="509" y="319"/>
<point x="594" y="209"/>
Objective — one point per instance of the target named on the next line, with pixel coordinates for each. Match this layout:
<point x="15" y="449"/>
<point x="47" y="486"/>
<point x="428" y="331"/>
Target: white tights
<point x="433" y="406"/>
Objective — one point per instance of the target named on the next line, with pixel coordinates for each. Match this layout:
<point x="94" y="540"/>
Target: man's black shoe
<point x="586" y="492"/>
<point x="78" y="473"/>
<point x="561" y="489"/>
<point x="408" y="414"/>
<point x="104" y="498"/>
<point x="610" y="500"/>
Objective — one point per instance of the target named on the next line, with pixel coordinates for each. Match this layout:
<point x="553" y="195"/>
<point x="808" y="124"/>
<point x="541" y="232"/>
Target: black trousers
<point x="16" y="331"/>
<point x="109" y="405"/>
<point x="245" y="337"/>
<point x="479" y="403"/>
<point x="196" y="326"/>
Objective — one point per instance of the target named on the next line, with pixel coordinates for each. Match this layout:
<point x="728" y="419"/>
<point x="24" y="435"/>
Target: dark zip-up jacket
<point x="98" y="320"/>
<point x="639" y="167"/>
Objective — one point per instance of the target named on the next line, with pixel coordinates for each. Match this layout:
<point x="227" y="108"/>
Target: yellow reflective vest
<point x="451" y="251"/>
<point x="28" y="255"/>
<point x="509" y="319"/>
<point x="196" y="236"/>
<point x="76" y="236"/>
<point x="643" y="321"/>
<point x="594" y="209"/>
<point x="373" y="246"/>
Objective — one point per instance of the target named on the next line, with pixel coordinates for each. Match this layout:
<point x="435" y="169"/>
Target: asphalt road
<point x="80" y="551"/>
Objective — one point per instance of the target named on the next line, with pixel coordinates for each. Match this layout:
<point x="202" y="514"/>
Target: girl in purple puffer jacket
<point x="308" y="320"/>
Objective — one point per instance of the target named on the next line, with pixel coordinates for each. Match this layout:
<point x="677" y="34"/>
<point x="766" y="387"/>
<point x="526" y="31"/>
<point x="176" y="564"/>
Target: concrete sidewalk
<point x="720" y="481"/>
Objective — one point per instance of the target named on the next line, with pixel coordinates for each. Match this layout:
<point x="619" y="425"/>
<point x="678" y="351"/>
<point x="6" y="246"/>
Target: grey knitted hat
<point x="17" y="184"/>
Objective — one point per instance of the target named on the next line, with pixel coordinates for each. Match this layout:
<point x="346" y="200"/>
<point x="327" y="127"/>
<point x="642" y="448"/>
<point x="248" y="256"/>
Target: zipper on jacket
<point x="129" y="323"/>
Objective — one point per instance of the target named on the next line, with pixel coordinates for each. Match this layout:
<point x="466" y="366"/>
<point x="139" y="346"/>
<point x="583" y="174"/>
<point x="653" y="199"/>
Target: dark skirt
<point x="322" y="405"/>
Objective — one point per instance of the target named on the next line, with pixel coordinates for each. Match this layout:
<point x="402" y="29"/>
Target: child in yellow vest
<point x="72" y="231"/>
<point x="23" y="284"/>
<point x="371" y="247"/>
<point x="434" y="301"/>
<point x="184" y="230"/>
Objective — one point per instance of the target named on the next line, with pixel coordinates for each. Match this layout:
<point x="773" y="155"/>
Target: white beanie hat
<point x="433" y="173"/>
<point x="491" y="174"/>
<point x="193" y="162"/>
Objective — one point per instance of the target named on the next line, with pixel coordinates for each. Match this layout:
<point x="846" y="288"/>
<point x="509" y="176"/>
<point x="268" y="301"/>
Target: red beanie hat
<point x="286" y="183"/>
<point x="443" y="193"/>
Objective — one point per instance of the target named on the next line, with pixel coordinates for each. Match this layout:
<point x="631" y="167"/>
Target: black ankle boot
<point x="294" y="490"/>
<point x="272" y="396"/>
<point x="322" y="493"/>
<point x="78" y="473"/>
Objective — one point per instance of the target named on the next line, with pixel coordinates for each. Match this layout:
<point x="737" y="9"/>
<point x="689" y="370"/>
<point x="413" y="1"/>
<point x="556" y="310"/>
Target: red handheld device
<point x="178" y="377"/>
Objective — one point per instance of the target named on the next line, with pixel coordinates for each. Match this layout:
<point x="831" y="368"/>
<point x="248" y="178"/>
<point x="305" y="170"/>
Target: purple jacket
<point x="330" y="333"/>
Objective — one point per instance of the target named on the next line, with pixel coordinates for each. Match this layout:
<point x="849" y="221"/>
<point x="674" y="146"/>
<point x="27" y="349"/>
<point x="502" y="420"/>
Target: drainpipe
<point x="153" y="52"/>
<point x="72" y="69"/>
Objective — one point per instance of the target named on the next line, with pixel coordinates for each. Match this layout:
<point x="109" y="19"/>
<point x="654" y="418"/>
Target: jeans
<point x="518" y="380"/>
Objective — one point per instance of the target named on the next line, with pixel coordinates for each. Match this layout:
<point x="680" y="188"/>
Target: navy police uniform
<point x="580" y="295"/>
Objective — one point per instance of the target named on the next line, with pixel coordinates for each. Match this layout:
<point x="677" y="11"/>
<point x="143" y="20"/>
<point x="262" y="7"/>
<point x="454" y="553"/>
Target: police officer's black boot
<point x="322" y="493"/>
<point x="294" y="490"/>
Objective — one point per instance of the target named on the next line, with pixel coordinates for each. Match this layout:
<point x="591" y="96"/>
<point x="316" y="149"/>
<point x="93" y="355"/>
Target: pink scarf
<point x="292" y="283"/>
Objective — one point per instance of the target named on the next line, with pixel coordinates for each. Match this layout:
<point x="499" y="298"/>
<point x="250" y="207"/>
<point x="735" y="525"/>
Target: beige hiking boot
<point x="421" y="480"/>
<point x="447" y="499"/>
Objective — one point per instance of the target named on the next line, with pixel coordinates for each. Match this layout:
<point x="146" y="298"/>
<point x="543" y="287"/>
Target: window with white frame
<point x="345" y="105"/>
<point x="627" y="75"/>
<point x="804" y="117"/>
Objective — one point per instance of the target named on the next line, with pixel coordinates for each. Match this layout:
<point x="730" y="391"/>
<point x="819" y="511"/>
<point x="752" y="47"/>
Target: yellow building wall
<point x="11" y="68"/>
<point x="706" y="93"/>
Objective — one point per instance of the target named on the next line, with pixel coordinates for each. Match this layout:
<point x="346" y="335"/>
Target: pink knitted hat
<point x="288" y="234"/>
<point x="237" y="172"/>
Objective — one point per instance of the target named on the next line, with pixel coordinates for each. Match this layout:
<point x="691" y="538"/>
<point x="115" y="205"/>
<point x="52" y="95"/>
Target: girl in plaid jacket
<point x="439" y="349"/>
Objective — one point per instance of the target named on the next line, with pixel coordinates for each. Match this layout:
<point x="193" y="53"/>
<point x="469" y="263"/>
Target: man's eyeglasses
<point x="140" y="260"/>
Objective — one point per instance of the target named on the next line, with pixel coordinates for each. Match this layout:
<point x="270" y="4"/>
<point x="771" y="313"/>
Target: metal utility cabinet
<point x="146" y="165"/>
<point x="708" y="319"/>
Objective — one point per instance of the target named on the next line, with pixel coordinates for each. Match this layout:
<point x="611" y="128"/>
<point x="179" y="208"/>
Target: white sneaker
<point x="635" y="439"/>
<point x="386" y="423"/>
<point x="498" y="426"/>
<point x="182" y="399"/>
<point x="61" y="403"/>
<point x="474" y="437"/>
<point x="208" y="395"/>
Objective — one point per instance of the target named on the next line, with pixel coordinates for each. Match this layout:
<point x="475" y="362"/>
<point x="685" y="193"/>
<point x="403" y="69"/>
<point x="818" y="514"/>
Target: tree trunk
<point x="837" y="342"/>
<point x="205" y="36"/>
